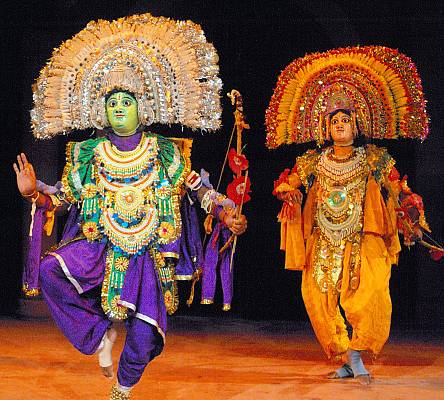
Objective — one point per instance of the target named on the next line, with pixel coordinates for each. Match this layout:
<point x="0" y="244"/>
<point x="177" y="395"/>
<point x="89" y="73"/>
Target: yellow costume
<point x="358" y="267"/>
<point x="345" y="239"/>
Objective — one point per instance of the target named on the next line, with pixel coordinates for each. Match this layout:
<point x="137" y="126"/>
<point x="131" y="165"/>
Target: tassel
<point x="208" y="224"/>
<point x="195" y="279"/>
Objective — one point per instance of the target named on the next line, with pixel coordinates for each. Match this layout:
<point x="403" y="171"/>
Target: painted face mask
<point x="121" y="111"/>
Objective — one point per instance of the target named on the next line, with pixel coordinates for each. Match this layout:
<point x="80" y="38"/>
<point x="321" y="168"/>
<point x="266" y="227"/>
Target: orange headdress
<point x="379" y="85"/>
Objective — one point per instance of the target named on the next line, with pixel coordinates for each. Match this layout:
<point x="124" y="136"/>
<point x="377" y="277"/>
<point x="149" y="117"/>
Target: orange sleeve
<point x="292" y="240"/>
<point x="380" y="218"/>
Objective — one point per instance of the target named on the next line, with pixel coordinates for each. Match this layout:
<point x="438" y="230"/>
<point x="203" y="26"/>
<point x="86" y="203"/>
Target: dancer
<point x="131" y="230"/>
<point x="346" y="238"/>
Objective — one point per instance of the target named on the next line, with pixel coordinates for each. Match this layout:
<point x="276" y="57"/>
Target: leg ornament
<point x="118" y="394"/>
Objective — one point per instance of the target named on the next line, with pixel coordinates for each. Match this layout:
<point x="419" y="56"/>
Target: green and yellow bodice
<point x="129" y="198"/>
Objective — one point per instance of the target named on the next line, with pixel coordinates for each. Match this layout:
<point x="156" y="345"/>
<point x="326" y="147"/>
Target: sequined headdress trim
<point x="167" y="64"/>
<point x="379" y="84"/>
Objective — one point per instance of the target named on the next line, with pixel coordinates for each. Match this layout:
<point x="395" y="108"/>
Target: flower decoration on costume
<point x="237" y="162"/>
<point x="166" y="230"/>
<point x="168" y="298"/>
<point x="121" y="264"/>
<point x="119" y="311"/>
<point x="90" y="230"/>
<point x="379" y="84"/>
<point x="238" y="190"/>
<point x="89" y="191"/>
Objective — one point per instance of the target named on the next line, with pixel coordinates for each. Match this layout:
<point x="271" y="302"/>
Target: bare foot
<point x="108" y="372"/>
<point x="364" y="380"/>
<point x="105" y="355"/>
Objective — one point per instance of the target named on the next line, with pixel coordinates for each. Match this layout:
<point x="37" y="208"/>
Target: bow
<point x="239" y="188"/>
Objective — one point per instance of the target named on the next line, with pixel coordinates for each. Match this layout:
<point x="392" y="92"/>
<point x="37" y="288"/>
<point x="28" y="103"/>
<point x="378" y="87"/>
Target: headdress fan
<point x="168" y="65"/>
<point x="379" y="84"/>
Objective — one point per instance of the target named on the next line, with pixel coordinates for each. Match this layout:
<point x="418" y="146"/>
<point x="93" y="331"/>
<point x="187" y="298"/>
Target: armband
<point x="212" y="199"/>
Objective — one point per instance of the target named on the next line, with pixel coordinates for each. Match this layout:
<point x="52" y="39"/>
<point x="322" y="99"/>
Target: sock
<point x="105" y="354"/>
<point x="355" y="362"/>
<point x="345" y="371"/>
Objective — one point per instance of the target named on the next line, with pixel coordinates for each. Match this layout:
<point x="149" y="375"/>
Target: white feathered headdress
<point x="168" y="65"/>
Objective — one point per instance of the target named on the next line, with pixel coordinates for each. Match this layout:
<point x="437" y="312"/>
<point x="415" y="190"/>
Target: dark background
<point x="255" y="40"/>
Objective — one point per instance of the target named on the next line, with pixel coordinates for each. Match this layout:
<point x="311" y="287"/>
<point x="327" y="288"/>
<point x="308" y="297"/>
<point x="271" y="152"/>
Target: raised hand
<point x="26" y="181"/>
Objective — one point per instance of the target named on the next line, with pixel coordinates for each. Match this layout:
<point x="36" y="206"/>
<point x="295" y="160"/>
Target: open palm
<point x="26" y="181"/>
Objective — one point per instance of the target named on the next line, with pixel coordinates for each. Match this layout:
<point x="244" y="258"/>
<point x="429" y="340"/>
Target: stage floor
<point x="212" y="359"/>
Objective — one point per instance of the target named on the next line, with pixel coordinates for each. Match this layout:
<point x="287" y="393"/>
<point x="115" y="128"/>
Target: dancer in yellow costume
<point x="345" y="239"/>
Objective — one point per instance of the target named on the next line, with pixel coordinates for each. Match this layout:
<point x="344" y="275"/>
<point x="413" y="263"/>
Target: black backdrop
<point x="255" y="40"/>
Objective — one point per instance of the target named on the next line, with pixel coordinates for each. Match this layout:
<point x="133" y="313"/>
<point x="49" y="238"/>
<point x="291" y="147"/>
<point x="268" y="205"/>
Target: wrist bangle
<point x="30" y="195"/>
<point x="34" y="199"/>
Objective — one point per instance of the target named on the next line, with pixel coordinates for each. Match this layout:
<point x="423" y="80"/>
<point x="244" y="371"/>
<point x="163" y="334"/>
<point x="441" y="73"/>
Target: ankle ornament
<point x="116" y="394"/>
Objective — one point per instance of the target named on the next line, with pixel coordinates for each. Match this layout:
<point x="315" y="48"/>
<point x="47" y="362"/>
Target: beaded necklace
<point x="339" y="213"/>
<point x="125" y="182"/>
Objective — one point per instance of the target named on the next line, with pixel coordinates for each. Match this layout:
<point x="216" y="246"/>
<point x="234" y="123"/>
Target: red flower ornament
<point x="237" y="162"/>
<point x="237" y="188"/>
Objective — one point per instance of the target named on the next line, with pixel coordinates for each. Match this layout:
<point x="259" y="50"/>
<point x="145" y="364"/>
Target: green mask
<point x="121" y="111"/>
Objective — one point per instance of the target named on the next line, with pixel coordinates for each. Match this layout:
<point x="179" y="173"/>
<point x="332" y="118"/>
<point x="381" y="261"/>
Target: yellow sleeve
<point x="292" y="239"/>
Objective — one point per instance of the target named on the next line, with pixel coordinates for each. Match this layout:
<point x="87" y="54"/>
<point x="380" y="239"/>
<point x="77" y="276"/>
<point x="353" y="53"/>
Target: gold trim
<point x="30" y="292"/>
<point x="66" y="170"/>
<point x="169" y="254"/>
<point x="183" y="277"/>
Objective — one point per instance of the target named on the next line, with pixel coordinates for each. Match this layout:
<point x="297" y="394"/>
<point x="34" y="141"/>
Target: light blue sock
<point x="345" y="371"/>
<point x="355" y="362"/>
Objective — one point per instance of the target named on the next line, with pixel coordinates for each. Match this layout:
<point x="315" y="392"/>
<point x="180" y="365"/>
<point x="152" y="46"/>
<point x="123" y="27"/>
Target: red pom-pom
<point x="237" y="188"/>
<point x="237" y="162"/>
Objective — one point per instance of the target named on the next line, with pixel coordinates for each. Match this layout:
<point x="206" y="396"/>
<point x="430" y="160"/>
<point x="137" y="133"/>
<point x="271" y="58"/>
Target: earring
<point x="327" y="129"/>
<point x="354" y="123"/>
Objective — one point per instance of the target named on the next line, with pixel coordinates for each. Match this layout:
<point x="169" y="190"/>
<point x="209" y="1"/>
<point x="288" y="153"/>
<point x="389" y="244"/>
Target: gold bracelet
<point x="35" y="199"/>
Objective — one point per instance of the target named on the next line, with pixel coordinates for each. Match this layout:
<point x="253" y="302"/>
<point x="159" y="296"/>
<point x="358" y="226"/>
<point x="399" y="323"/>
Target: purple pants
<point x="81" y="319"/>
<point x="212" y="260"/>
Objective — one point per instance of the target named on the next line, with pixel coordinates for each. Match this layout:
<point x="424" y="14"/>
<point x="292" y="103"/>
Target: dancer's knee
<point x="49" y="270"/>
<point x="149" y="343"/>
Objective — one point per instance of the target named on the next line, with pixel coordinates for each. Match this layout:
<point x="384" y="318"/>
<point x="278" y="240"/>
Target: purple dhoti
<point x="71" y="286"/>
<point x="71" y="279"/>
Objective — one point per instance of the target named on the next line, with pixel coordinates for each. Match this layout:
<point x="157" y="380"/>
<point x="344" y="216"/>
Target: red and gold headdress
<point x="379" y="85"/>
